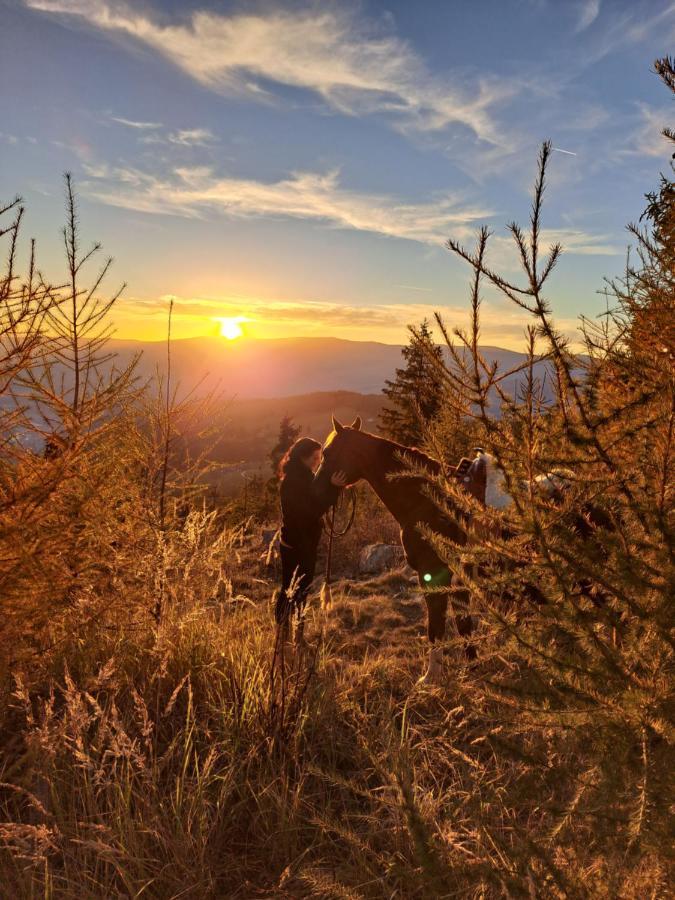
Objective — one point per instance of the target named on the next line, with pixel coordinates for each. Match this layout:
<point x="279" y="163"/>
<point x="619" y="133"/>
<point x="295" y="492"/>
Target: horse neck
<point x="382" y="461"/>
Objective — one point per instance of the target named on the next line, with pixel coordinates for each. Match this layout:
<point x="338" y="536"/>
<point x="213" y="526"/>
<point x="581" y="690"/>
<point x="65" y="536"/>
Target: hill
<point x="281" y="367"/>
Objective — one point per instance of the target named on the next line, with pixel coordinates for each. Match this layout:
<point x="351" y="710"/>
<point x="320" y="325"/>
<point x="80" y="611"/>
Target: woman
<point x="302" y="506"/>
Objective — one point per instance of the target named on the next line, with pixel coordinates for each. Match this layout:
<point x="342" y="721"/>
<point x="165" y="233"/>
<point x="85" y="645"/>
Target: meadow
<point x="148" y="747"/>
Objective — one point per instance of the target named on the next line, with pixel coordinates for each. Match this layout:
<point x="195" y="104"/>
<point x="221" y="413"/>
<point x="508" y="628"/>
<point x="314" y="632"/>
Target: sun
<point x="230" y="328"/>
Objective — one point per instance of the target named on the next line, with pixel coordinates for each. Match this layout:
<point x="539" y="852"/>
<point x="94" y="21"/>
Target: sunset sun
<point x="230" y="328"/>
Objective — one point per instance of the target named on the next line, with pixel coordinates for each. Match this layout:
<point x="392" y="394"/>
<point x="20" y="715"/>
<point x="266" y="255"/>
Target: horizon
<point x="295" y="170"/>
<point x="245" y="339"/>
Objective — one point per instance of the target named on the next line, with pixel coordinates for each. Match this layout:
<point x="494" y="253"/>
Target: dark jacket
<point x="303" y="503"/>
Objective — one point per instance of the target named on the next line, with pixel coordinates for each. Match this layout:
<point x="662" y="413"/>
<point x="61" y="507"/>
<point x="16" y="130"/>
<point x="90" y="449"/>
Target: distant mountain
<point x="282" y="367"/>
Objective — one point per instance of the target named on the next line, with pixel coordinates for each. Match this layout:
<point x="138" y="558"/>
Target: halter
<point x="332" y="532"/>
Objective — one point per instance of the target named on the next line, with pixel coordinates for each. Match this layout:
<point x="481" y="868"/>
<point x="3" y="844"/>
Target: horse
<point x="374" y="459"/>
<point x="365" y="456"/>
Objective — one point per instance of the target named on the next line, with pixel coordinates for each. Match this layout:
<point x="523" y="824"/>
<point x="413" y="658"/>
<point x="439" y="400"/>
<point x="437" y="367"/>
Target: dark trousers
<point x="297" y="573"/>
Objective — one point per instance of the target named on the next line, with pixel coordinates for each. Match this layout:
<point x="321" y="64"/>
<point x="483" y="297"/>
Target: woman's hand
<point x="339" y="478"/>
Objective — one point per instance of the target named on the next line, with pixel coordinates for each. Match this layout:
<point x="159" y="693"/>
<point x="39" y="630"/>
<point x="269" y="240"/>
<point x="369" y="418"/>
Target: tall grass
<point x="156" y="764"/>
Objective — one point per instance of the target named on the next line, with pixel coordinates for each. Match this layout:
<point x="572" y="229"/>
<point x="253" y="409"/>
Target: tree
<point x="588" y="667"/>
<point x="288" y="434"/>
<point x="64" y="477"/>
<point x="416" y="393"/>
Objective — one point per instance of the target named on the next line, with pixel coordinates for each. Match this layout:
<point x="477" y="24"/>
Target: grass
<point x="162" y="765"/>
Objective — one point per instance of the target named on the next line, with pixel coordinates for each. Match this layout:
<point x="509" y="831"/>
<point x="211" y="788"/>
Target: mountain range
<point x="281" y="367"/>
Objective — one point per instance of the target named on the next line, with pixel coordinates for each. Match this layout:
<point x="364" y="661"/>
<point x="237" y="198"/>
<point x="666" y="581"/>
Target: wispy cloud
<point x="194" y="191"/>
<point x="647" y="139"/>
<point x="191" y="137"/>
<point x="503" y="255"/>
<point x="356" y="66"/>
<point x="579" y="242"/>
<point x="589" y="10"/>
<point x="627" y="28"/>
<point x="130" y="123"/>
<point x="183" y="137"/>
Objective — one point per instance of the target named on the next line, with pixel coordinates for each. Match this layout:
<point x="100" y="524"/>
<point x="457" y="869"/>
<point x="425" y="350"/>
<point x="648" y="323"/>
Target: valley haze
<point x="280" y="367"/>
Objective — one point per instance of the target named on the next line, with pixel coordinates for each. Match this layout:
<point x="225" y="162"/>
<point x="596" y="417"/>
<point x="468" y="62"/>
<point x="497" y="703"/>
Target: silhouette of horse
<point x="366" y="456"/>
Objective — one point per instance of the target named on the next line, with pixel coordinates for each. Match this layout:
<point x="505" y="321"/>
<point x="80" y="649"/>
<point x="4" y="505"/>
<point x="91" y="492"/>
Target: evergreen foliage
<point x="415" y="395"/>
<point x="288" y="434"/>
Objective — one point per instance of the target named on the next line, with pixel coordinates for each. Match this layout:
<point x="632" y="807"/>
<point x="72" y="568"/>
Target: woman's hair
<point x="300" y="450"/>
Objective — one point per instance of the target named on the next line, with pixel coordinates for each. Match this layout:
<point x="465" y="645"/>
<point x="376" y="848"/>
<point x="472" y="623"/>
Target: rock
<point x="377" y="558"/>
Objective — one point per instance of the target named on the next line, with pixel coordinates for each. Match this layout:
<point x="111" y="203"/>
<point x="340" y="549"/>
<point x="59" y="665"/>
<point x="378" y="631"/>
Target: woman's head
<point x="304" y="452"/>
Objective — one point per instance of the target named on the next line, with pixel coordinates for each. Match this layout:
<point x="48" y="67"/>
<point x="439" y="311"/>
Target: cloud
<point x="355" y="66"/>
<point x="625" y="29"/>
<point x="500" y="325"/>
<point x="190" y="137"/>
<point x="131" y="124"/>
<point x="184" y="137"/>
<point x="194" y="191"/>
<point x="589" y="11"/>
<point x="579" y="242"/>
<point x="647" y="138"/>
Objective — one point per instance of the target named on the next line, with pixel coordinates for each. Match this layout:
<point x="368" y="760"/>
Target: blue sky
<point x="301" y="165"/>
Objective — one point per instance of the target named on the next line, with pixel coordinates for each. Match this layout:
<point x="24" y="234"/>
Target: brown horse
<point x="366" y="456"/>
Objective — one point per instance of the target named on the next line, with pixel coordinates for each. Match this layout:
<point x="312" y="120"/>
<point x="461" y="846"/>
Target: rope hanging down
<point x="333" y="532"/>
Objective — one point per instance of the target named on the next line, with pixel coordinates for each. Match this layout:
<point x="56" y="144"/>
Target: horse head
<point x="344" y="450"/>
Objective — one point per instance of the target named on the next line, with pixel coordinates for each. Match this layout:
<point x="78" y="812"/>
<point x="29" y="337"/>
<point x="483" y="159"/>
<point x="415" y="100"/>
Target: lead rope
<point x="326" y="596"/>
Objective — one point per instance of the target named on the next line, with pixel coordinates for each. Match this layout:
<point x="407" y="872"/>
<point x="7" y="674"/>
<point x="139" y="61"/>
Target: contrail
<point x="568" y="152"/>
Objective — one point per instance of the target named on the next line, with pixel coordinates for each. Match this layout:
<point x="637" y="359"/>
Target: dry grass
<point x="161" y="765"/>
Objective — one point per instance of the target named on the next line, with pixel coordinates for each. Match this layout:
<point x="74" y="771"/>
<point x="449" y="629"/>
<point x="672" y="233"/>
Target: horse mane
<point x="417" y="456"/>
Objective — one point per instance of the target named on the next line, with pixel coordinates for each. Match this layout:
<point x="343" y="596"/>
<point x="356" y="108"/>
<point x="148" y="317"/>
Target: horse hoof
<point x="431" y="678"/>
<point x="434" y="673"/>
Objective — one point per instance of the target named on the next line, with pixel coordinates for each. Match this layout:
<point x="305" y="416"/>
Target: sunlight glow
<point x="230" y="328"/>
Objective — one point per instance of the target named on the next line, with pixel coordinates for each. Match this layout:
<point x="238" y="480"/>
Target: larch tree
<point x="571" y="586"/>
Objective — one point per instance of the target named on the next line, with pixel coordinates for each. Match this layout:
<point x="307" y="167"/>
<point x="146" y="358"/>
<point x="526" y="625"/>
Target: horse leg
<point x="437" y="606"/>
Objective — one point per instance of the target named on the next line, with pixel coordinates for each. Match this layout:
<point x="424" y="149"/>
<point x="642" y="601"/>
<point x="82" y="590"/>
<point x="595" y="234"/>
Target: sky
<point x="297" y="168"/>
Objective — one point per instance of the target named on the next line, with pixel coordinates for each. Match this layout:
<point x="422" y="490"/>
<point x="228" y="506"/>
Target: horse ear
<point x="337" y="425"/>
<point x="356" y="424"/>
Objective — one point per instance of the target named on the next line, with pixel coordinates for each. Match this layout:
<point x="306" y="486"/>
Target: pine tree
<point x="416" y="394"/>
<point x="288" y="434"/>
